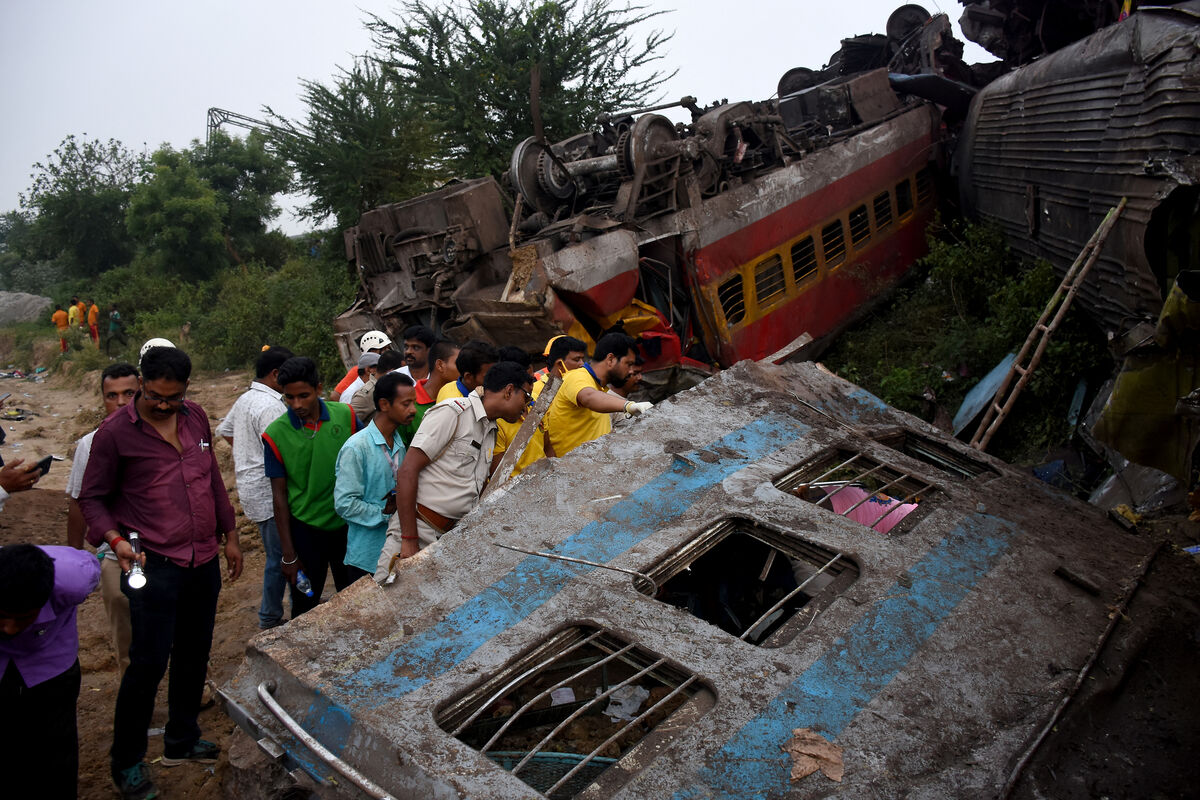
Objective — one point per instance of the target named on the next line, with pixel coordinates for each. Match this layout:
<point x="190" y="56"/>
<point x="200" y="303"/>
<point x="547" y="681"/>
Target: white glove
<point x="633" y="409"/>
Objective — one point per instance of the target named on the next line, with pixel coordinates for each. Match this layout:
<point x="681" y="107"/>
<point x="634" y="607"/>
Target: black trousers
<point x="39" y="739"/>
<point x="318" y="550"/>
<point x="172" y="618"/>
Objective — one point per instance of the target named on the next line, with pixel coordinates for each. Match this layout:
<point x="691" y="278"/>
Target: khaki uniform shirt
<point x="363" y="402"/>
<point x="458" y="438"/>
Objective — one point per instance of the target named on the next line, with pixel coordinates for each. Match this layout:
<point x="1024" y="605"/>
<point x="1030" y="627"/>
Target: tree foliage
<point x="470" y="68"/>
<point x="78" y="200"/>
<point x="362" y="143"/>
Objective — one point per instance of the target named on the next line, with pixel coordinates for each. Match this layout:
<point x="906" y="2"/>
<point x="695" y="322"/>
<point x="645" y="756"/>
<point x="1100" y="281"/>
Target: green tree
<point x="178" y="220"/>
<point x="469" y="67"/>
<point x="78" y="200"/>
<point x="361" y="144"/>
<point x="246" y="176"/>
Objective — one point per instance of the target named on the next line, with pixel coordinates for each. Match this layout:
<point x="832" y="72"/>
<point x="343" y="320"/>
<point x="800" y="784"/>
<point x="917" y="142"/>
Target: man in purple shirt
<point x="40" y="588"/>
<point x="152" y="471"/>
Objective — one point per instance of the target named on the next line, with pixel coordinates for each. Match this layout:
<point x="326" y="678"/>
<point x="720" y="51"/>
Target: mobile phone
<point x="44" y="464"/>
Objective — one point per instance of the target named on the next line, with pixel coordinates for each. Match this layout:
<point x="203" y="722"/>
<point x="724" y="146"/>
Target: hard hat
<point x="156" y="342"/>
<point x="374" y="339"/>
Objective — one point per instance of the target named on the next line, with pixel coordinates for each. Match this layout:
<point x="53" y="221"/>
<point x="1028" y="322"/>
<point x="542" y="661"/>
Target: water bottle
<point x="303" y="584"/>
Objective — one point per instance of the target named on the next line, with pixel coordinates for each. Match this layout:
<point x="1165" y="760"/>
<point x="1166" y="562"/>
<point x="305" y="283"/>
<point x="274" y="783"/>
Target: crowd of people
<point x="82" y="318"/>
<point x="342" y="487"/>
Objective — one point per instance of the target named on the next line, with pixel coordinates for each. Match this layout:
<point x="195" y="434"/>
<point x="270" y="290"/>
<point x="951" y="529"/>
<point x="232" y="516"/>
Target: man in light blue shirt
<point x="364" y="492"/>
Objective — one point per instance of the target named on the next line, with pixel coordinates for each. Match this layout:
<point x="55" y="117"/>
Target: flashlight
<point x="137" y="578"/>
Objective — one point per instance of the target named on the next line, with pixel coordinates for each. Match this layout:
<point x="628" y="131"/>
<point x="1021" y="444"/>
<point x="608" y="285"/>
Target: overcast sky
<point x="145" y="72"/>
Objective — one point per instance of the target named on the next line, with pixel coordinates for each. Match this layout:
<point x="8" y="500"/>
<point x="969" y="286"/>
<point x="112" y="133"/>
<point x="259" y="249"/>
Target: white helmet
<point x="373" y="339"/>
<point x="156" y="342"/>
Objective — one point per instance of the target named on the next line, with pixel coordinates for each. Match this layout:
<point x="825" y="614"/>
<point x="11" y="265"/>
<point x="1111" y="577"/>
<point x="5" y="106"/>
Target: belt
<point x="440" y="524"/>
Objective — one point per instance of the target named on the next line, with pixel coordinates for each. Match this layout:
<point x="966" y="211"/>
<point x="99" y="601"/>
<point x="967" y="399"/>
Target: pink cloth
<point x="843" y="498"/>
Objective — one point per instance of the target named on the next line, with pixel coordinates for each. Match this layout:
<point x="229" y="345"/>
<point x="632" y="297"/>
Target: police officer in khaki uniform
<point x="448" y="462"/>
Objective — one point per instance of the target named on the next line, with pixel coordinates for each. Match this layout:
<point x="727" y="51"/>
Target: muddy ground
<point x="1129" y="734"/>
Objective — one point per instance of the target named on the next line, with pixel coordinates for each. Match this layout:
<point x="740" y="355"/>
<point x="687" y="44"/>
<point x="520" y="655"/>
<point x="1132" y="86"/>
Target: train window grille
<point x="769" y="283"/>
<point x="833" y="243"/>
<point x="860" y="226"/>
<point x="804" y="260"/>
<point x="733" y="299"/>
<point x="937" y="455"/>
<point x="757" y="584"/>
<point x="871" y="491"/>
<point x="545" y="717"/>
<point x="883" y="210"/>
<point x="904" y="203"/>
<point x="924" y="185"/>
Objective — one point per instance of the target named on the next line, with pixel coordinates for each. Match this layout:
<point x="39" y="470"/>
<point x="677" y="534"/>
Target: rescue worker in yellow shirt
<point x="473" y="362"/>
<point x="506" y="431"/>
<point x="580" y="410"/>
<point x="563" y="354"/>
<point x="447" y="465"/>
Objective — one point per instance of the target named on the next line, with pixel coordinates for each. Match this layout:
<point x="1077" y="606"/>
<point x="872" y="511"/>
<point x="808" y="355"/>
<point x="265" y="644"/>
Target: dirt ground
<point x="63" y="409"/>
<point x="1132" y="733"/>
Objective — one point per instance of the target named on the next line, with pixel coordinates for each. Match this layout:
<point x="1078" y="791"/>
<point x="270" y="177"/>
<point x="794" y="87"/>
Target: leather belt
<point x="441" y="524"/>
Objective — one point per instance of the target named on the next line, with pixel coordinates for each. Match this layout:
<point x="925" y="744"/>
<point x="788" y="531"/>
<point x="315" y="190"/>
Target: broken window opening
<point x="562" y="715"/>
<point x="854" y="485"/>
<point x="769" y="283"/>
<point x="860" y="226"/>
<point x="756" y="584"/>
<point x="833" y="243"/>
<point x="733" y="299"/>
<point x="936" y="454"/>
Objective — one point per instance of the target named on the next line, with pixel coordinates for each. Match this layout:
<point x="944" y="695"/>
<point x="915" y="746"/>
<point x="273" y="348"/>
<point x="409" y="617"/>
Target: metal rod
<point x="556" y="557"/>
<point x="265" y="690"/>
<point x="788" y="597"/>
<point x="546" y="693"/>
<point x="579" y="711"/>
<point x="881" y="490"/>
<point x="506" y="687"/>
<point x="857" y="477"/>
<point x="587" y="759"/>
<point x="845" y="463"/>
<point x="908" y="499"/>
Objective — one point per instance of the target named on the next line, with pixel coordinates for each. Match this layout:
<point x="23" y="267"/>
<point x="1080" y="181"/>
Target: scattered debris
<point x="810" y="751"/>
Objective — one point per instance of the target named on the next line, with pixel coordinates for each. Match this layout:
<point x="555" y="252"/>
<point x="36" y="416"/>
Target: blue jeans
<point x="270" y="612"/>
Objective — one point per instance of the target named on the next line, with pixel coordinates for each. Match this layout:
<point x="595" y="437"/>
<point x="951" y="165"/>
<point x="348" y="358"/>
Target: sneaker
<point x="134" y="783"/>
<point x="202" y="752"/>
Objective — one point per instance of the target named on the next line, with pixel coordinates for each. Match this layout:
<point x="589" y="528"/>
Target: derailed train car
<point x="695" y="603"/>
<point x="751" y="230"/>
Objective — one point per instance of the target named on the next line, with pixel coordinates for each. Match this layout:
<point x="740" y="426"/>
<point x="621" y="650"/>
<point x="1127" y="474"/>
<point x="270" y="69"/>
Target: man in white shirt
<point x="243" y="428"/>
<point x="119" y="384"/>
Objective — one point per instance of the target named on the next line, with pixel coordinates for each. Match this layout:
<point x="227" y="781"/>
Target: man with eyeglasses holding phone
<point x="152" y="471"/>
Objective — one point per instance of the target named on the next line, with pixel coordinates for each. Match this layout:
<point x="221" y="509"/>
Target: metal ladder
<point x="1039" y="337"/>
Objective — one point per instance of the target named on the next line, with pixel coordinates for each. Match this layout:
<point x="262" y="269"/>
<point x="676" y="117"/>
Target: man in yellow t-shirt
<point x="73" y="317"/>
<point x="474" y="360"/>
<point x="580" y="410"/>
<point x="563" y="353"/>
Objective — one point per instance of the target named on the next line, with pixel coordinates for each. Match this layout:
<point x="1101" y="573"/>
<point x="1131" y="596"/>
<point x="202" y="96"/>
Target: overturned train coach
<point x="754" y="229"/>
<point x="771" y="563"/>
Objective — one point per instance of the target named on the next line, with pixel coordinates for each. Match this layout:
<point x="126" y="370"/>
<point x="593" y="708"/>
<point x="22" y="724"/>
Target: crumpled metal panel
<point x="1049" y="148"/>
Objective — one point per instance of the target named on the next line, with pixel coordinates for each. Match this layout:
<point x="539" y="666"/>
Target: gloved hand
<point x="633" y="409"/>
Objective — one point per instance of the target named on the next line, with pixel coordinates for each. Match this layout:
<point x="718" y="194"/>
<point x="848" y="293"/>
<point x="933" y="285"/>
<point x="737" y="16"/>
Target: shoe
<point x="202" y="752"/>
<point x="134" y="783"/>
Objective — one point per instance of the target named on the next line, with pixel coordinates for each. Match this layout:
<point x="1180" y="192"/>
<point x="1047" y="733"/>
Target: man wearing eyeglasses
<point x="152" y="470"/>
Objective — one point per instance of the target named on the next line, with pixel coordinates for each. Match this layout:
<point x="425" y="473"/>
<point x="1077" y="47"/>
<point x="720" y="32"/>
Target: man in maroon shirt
<point x="152" y="471"/>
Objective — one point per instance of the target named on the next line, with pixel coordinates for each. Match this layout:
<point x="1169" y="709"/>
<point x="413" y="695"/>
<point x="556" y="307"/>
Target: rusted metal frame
<point x="846" y="484"/>
<point x="546" y="693"/>
<point x="557" y="557"/>
<point x="348" y="772"/>
<point x="508" y="686"/>
<point x="516" y="448"/>
<point x="635" y="721"/>
<point x="881" y="490"/>
<point x="580" y="711"/>
<point x="1071" y="282"/>
<point x="908" y="499"/>
<point x="842" y="465"/>
<point x="783" y="601"/>
<point x="1115" y="616"/>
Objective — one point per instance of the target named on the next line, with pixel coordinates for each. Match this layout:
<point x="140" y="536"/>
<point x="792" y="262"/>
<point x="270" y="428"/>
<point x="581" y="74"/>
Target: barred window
<point x="733" y="299"/>
<point x="804" y="260"/>
<point x="769" y="284"/>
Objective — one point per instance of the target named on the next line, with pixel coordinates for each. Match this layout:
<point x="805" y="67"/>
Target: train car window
<point x="733" y="299"/>
<point x="769" y="283"/>
<point x="804" y="260"/>
<point x="860" y="226"/>
<point x="904" y="202"/>
<point x="833" y="243"/>
<point x="883" y="210"/>
<point x="924" y="186"/>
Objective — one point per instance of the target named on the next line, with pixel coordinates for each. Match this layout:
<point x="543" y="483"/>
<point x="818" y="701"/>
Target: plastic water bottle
<point x="303" y="584"/>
